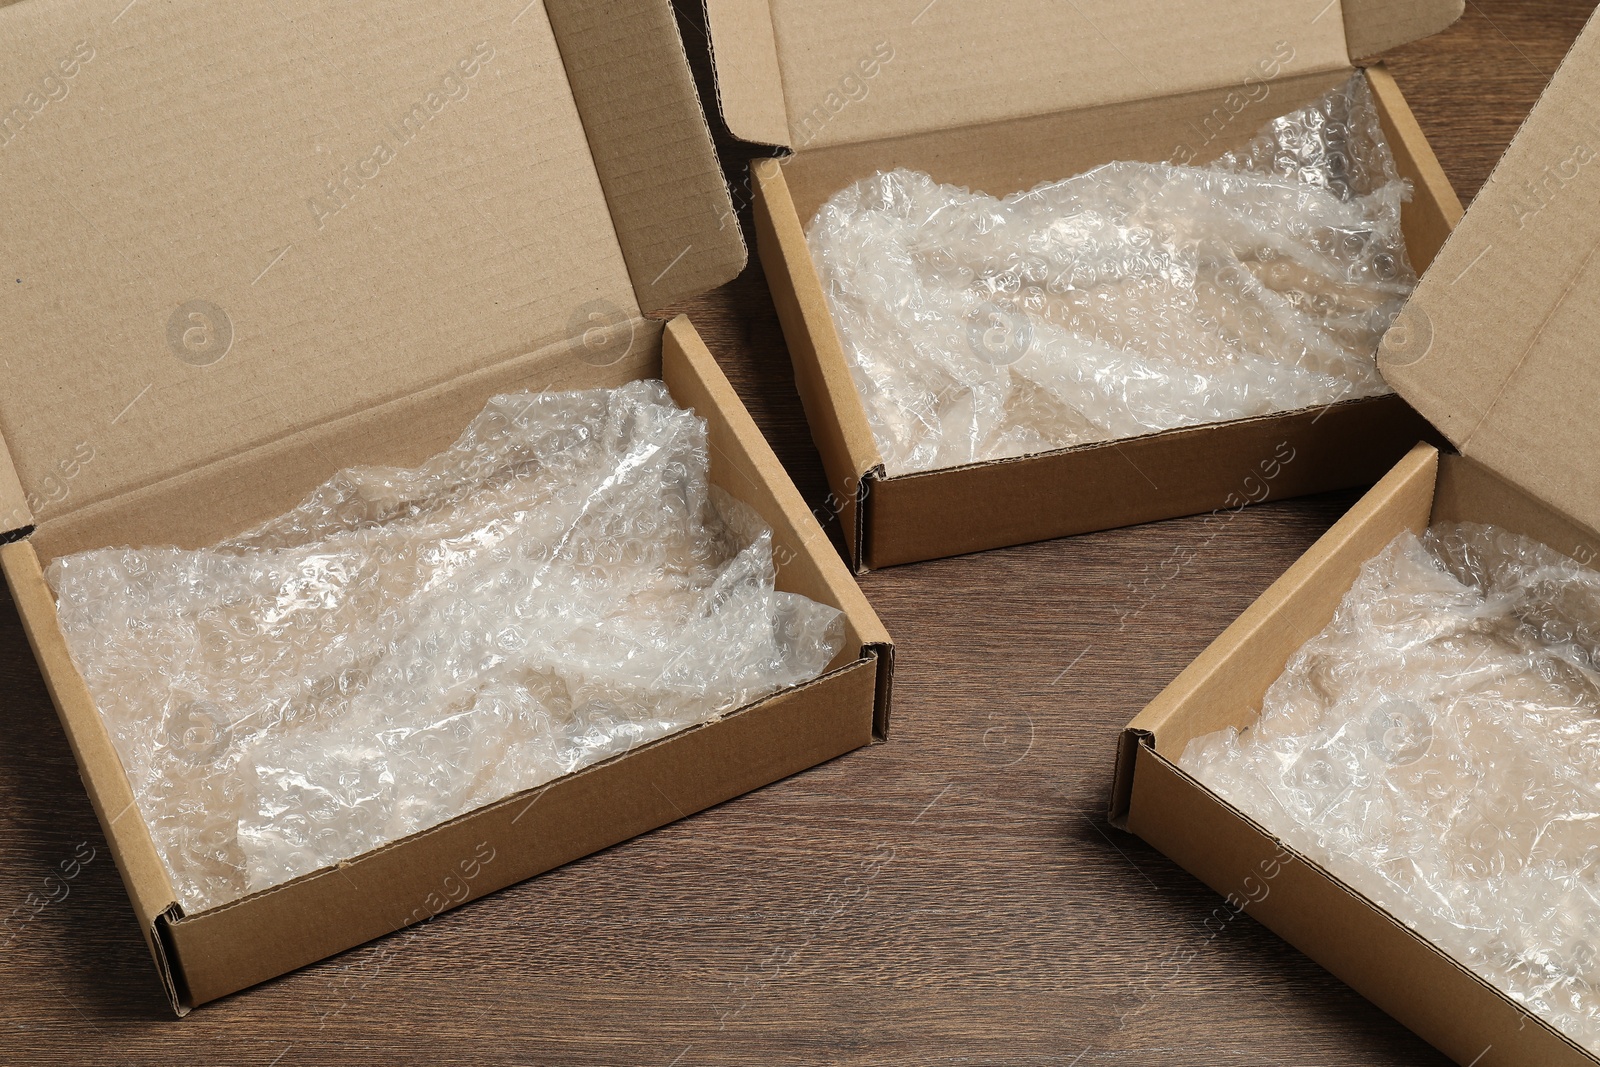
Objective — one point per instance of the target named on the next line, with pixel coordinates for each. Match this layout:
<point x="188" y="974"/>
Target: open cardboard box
<point x="1000" y="98"/>
<point x="1497" y="348"/>
<point x="253" y="245"/>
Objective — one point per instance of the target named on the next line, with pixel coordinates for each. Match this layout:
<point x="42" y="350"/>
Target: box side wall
<point x="1404" y="975"/>
<point x="1217" y="468"/>
<point x="833" y="407"/>
<point x="744" y="464"/>
<point x="1435" y="210"/>
<point x="274" y="932"/>
<point x="1470" y="492"/>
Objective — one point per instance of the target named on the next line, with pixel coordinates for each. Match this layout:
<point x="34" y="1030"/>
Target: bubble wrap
<point x="407" y="645"/>
<point x="1133" y="298"/>
<point x="1437" y="747"/>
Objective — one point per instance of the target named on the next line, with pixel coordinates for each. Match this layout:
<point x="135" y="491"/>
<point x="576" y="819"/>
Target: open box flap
<point x="224" y="224"/>
<point x="817" y="72"/>
<point x="1497" y="347"/>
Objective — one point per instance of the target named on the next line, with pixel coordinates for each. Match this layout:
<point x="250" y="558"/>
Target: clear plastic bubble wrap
<point x="1437" y="747"/>
<point x="407" y="645"/>
<point x="1133" y="298"/>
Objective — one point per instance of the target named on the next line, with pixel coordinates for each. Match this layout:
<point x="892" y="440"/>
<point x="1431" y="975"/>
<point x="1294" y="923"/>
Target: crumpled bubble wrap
<point x="406" y="646"/>
<point x="1437" y="747"/>
<point x="1133" y="298"/>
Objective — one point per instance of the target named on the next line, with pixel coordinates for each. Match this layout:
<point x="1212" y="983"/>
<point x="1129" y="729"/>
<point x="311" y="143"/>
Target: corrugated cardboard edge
<point x="641" y="112"/>
<point x="1349" y="543"/>
<point x="1375" y="26"/>
<point x="745" y="71"/>
<point x="16" y="518"/>
<point x="694" y="378"/>
<point x="107" y="784"/>
<point x="833" y="406"/>
<point x="1214" y="469"/>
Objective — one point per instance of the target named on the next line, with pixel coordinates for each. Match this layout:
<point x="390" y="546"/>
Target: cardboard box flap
<point x="1372" y="27"/>
<point x="652" y="148"/>
<point x="819" y="72"/>
<point x="1497" y="347"/>
<point x="225" y="224"/>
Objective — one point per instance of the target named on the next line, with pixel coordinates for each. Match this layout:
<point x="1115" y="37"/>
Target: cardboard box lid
<point x="817" y="72"/>
<point x="224" y="223"/>
<point x="1500" y="345"/>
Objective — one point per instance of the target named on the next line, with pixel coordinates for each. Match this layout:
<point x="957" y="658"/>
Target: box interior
<point x="1511" y="381"/>
<point x="230" y="496"/>
<point x="263" y="934"/>
<point x="1013" y="155"/>
<point x="1226" y="685"/>
<point x="1350" y="935"/>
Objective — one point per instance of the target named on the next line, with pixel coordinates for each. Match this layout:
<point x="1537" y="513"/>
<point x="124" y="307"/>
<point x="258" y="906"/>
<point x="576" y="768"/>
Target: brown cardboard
<point x="891" y="520"/>
<point x="957" y="65"/>
<point x="1372" y="27"/>
<point x="1408" y="977"/>
<point x="514" y="252"/>
<point x="132" y="264"/>
<point x="1512" y="382"/>
<point x="1495" y="348"/>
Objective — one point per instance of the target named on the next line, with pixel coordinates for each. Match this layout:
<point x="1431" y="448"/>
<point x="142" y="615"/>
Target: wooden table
<point x="954" y="896"/>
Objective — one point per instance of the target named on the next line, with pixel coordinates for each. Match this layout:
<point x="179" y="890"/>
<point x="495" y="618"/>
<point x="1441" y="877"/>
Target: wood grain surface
<point x="953" y="896"/>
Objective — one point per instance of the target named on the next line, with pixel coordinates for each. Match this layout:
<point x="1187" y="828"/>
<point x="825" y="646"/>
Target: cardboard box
<point x="1000" y="99"/>
<point x="248" y="246"/>
<point x="1497" y="348"/>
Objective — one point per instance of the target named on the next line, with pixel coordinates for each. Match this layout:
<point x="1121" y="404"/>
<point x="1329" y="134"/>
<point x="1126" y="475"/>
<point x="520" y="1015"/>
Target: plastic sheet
<point x="1437" y="747"/>
<point x="407" y="645"/>
<point x="1133" y="298"/>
